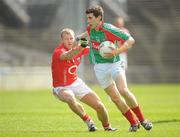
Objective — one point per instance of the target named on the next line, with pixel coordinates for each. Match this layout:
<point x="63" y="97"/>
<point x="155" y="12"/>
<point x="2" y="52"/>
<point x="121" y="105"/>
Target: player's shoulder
<point x="109" y="26"/>
<point x="59" y="49"/>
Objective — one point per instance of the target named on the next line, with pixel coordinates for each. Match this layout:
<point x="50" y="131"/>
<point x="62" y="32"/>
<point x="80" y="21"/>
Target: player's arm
<point x="127" y="43"/>
<point x="71" y="53"/>
<point x="77" y="48"/>
<point x="83" y="35"/>
<point x="125" y="47"/>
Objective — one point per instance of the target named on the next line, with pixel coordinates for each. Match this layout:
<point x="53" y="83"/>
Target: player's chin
<point x="70" y="45"/>
<point x="92" y="26"/>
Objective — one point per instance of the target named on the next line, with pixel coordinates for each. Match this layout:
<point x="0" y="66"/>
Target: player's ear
<point x="99" y="17"/>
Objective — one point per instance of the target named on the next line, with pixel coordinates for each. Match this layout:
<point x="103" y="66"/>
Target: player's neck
<point x="98" y="25"/>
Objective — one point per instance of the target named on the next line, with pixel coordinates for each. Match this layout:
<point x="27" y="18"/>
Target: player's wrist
<point x="115" y="53"/>
<point x="119" y="51"/>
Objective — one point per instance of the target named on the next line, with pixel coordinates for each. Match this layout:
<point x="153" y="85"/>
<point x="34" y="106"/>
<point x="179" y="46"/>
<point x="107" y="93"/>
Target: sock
<point x="89" y="122"/>
<point x="130" y="117"/>
<point x="106" y="126"/>
<point x="86" y="117"/>
<point x="138" y="113"/>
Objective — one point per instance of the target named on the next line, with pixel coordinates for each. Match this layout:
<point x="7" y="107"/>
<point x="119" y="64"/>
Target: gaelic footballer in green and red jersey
<point x="105" y="32"/>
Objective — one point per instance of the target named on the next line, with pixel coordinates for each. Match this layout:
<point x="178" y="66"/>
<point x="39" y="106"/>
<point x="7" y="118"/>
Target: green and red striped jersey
<point x="106" y="32"/>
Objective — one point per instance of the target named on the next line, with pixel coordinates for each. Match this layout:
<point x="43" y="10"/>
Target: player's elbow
<point x="66" y="57"/>
<point x="131" y="41"/>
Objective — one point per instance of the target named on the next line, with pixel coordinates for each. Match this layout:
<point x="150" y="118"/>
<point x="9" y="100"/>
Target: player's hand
<point x="111" y="54"/>
<point x="83" y="42"/>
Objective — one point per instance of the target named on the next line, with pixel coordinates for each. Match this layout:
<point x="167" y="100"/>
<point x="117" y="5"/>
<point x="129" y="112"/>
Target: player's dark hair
<point x="96" y="10"/>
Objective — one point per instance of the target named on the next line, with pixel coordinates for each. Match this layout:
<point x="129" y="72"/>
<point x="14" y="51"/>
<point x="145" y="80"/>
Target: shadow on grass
<point x="166" y="121"/>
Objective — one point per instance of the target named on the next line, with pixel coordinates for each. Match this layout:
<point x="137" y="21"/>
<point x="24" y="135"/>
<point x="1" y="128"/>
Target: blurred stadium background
<point x="29" y="31"/>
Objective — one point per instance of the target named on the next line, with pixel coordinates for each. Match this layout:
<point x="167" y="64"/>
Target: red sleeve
<point x="85" y="51"/>
<point x="58" y="51"/>
<point x="112" y="37"/>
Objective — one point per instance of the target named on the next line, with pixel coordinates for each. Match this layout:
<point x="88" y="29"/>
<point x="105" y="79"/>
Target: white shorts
<point x="106" y="73"/>
<point x="124" y="59"/>
<point x="78" y="88"/>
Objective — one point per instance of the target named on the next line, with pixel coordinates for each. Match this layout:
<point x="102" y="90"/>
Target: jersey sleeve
<point x="115" y="34"/>
<point x="58" y="53"/>
<point x="85" y="51"/>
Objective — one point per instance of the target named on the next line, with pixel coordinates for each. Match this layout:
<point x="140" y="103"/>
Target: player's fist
<point x="83" y="42"/>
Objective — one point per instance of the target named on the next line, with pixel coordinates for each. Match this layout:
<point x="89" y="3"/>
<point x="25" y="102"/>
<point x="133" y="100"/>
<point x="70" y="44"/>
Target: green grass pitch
<point x="39" y="114"/>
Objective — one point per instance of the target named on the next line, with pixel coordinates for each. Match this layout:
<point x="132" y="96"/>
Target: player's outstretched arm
<point x="83" y="35"/>
<point x="77" y="48"/>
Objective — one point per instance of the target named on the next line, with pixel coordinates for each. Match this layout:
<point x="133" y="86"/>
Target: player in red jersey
<point x="67" y="86"/>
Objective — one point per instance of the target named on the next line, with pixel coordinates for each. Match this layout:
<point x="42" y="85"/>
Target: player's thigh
<point x="121" y="83"/>
<point x="119" y="76"/>
<point x="64" y="95"/>
<point x="113" y="92"/>
<point x="92" y="100"/>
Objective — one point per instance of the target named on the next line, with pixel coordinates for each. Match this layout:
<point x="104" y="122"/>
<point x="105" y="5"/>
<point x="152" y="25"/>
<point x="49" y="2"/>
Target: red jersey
<point x="64" y="72"/>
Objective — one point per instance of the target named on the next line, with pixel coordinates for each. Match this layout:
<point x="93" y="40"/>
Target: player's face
<point x="92" y="20"/>
<point x="68" y="40"/>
